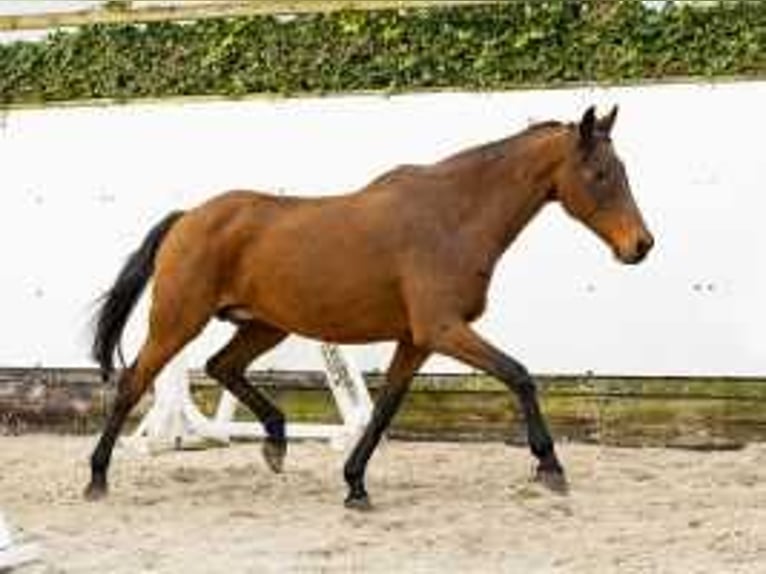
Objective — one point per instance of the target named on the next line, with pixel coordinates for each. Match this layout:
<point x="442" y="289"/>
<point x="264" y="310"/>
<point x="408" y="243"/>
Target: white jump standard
<point x="174" y="421"/>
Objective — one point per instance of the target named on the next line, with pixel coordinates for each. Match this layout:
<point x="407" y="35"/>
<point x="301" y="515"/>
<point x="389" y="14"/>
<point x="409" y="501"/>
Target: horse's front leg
<point x="407" y="360"/>
<point x="461" y="342"/>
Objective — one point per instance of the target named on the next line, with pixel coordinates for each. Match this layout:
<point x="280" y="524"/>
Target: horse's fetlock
<point x="544" y="452"/>
<point x="275" y="426"/>
<point x="351" y="474"/>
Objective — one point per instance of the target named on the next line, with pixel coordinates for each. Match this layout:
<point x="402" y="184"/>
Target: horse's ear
<point x="587" y="128"/>
<point x="606" y="123"/>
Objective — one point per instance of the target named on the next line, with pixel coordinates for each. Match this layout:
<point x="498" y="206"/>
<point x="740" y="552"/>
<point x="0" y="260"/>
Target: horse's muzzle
<point x="639" y="250"/>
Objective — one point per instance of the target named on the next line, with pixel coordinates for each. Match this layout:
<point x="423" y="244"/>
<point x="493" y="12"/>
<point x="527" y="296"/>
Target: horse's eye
<point x="600" y="175"/>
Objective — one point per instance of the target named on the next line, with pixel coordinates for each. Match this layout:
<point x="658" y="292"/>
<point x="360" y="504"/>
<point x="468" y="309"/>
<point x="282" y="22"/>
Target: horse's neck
<point x="512" y="190"/>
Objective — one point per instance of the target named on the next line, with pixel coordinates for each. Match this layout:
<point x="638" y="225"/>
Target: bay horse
<point x="408" y="258"/>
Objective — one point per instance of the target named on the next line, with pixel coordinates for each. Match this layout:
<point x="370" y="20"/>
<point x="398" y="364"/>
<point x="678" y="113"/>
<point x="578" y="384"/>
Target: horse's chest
<point x="469" y="276"/>
<point x="462" y="288"/>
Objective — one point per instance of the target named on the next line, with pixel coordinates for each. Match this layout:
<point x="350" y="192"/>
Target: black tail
<point x="118" y="302"/>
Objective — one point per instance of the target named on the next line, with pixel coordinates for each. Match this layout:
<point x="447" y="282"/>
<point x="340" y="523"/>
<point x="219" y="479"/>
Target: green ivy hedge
<point x="499" y="46"/>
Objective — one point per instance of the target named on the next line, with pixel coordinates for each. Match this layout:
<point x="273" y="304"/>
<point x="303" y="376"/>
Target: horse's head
<point x="593" y="187"/>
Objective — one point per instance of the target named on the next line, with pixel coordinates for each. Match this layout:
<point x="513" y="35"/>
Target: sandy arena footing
<point x="439" y="507"/>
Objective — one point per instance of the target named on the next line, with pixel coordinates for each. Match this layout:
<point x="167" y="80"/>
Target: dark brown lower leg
<point x="132" y="384"/>
<point x="166" y="338"/>
<point x="129" y="391"/>
<point x="228" y="367"/>
<point x="407" y="360"/>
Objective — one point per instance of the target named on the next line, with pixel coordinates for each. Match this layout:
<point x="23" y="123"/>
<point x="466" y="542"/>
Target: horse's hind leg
<point x="228" y="366"/>
<point x="129" y="391"/>
<point x="165" y="339"/>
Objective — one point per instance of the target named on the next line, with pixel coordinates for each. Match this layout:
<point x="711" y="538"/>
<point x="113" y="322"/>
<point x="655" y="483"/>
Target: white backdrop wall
<point x="80" y="187"/>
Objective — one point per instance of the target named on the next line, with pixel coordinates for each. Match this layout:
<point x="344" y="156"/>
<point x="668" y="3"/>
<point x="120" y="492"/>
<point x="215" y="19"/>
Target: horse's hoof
<point x="274" y="452"/>
<point x="553" y="479"/>
<point x="95" y="491"/>
<point x="361" y="503"/>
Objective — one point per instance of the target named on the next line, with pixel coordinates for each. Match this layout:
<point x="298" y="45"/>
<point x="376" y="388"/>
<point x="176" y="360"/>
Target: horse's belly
<point x="331" y="308"/>
<point x="339" y="319"/>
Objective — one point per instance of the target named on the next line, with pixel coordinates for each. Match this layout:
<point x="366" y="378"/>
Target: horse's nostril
<point x="645" y="244"/>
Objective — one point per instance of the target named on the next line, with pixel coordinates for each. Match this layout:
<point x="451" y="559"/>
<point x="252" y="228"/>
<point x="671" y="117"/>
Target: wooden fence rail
<point x="692" y="413"/>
